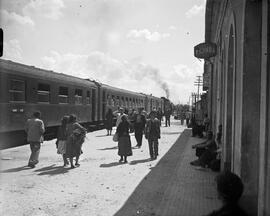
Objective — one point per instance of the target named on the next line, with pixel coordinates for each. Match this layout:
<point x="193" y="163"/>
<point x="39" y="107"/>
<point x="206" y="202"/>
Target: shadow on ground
<point x="111" y="164"/>
<point x="52" y="170"/>
<point x="17" y="169"/>
<point x="110" y="148"/>
<point x="146" y="198"/>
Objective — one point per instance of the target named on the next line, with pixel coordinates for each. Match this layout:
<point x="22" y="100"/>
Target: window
<point x="78" y="96"/>
<point x="117" y="101"/>
<point x="63" y="95"/>
<point x="126" y="102"/>
<point x="88" y="97"/>
<point x="113" y="100"/>
<point x="17" y="91"/>
<point x="43" y="93"/>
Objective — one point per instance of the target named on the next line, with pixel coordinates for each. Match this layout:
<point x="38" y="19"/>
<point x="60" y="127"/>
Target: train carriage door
<point x="104" y="102"/>
<point x="93" y="104"/>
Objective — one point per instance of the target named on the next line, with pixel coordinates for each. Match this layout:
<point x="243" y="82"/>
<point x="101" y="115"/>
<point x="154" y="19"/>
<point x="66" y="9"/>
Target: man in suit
<point x="35" y="129"/>
<point x="153" y="134"/>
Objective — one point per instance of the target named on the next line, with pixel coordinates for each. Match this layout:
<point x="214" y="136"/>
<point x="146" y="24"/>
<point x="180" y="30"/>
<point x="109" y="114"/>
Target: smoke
<point x="154" y="74"/>
<point x="97" y="65"/>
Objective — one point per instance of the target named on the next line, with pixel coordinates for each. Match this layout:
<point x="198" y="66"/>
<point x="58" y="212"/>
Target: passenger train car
<point x="25" y="89"/>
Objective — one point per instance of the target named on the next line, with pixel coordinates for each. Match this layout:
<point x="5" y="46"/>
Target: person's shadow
<point x="52" y="170"/>
<point x="111" y="164"/>
<point x="17" y="169"/>
<point x="134" y="162"/>
<point x="110" y="148"/>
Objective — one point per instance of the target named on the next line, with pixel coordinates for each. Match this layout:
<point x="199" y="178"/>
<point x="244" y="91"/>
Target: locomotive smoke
<point x="154" y="74"/>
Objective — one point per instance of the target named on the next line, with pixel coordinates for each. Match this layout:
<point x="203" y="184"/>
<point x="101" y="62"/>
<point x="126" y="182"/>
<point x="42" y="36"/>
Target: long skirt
<point x="124" y="146"/>
<point x="61" y="149"/>
<point x="74" y="146"/>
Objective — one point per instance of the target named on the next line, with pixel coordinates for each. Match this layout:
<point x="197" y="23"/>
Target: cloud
<point x="147" y="35"/>
<point x="134" y="76"/>
<point x="12" y="17"/>
<point x="12" y="50"/>
<point x="172" y="27"/>
<point x="196" y="9"/>
<point x="51" y="9"/>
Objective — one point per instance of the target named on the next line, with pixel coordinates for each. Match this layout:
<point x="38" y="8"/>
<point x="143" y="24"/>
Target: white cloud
<point x="51" y="9"/>
<point x="12" y="50"/>
<point x="147" y="35"/>
<point x="172" y="27"/>
<point x="196" y="9"/>
<point x="12" y="17"/>
<point x="134" y="76"/>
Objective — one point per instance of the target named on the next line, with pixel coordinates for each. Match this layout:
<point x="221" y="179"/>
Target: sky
<point x="139" y="45"/>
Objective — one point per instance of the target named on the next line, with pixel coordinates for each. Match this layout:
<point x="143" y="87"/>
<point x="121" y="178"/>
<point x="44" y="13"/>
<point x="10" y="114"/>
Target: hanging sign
<point x="205" y="50"/>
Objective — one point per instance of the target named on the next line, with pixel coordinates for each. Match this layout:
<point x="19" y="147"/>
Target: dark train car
<point x="25" y="89"/>
<point x="167" y="104"/>
<point x="116" y="97"/>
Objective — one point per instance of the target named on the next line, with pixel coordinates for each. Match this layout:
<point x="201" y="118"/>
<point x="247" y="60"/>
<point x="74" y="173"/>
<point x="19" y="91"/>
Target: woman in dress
<point x="62" y="139"/>
<point x="109" y="122"/>
<point x="124" y="143"/>
<point x="75" y="138"/>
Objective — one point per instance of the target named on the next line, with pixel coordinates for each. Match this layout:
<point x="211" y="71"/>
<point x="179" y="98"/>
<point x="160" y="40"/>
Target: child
<point x="62" y="139"/>
<point x="230" y="189"/>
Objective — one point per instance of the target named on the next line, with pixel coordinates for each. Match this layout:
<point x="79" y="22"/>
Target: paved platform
<point x="102" y="186"/>
<point x="174" y="187"/>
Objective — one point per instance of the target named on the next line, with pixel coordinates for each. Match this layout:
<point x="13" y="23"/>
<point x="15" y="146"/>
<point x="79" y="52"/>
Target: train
<point x="25" y="89"/>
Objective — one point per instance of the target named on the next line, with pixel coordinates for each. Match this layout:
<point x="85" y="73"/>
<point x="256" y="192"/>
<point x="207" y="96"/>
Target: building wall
<point x="239" y="93"/>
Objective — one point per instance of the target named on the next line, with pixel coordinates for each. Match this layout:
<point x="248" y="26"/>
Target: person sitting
<point x="215" y="164"/>
<point x="230" y="189"/>
<point x="206" y="151"/>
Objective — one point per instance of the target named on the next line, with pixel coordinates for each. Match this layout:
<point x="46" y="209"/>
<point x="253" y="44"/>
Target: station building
<point x="238" y="92"/>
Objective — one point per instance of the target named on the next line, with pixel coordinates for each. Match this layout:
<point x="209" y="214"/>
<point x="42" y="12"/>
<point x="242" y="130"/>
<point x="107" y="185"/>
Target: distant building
<point x="238" y="84"/>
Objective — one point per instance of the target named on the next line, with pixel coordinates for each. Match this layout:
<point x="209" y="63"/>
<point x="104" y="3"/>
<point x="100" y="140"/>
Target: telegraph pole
<point x="198" y="83"/>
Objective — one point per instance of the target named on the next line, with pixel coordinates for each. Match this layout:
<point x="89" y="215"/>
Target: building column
<point x="264" y="149"/>
<point x="251" y="79"/>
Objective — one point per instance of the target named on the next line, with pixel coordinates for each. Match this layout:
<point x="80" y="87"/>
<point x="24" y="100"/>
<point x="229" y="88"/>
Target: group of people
<point x="208" y="152"/>
<point x="70" y="137"/>
<point x="140" y="123"/>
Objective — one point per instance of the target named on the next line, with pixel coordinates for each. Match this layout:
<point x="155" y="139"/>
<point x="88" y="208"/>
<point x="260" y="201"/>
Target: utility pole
<point x="198" y="83"/>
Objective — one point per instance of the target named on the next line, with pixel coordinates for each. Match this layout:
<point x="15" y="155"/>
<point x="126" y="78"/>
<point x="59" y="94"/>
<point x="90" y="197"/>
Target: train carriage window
<point x="43" y="93"/>
<point x="113" y="100"/>
<point x="88" y="97"/>
<point x="108" y="100"/>
<point x="17" y="91"/>
<point x="63" y="95"/>
<point x="117" y="101"/>
<point x="78" y="96"/>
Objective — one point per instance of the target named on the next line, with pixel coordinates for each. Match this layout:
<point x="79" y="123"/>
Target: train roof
<point x="31" y="71"/>
<point x="121" y="90"/>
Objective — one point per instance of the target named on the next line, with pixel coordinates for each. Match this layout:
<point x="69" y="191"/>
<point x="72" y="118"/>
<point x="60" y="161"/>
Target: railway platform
<point x="102" y="186"/>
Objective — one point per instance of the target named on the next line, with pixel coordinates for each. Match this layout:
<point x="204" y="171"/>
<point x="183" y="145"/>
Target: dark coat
<point x="124" y="143"/>
<point x="152" y="131"/>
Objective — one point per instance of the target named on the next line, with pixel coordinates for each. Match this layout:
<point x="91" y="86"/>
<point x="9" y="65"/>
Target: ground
<point x="99" y="187"/>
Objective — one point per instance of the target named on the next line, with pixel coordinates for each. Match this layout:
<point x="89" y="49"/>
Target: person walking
<point x="139" y="126"/>
<point x="124" y="143"/>
<point x="75" y="138"/>
<point x="159" y="115"/>
<point x="62" y="139"/>
<point x="118" y="113"/>
<point x="35" y="129"/>
<point x="109" y="121"/>
<point x="167" y="118"/>
<point x="152" y="134"/>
